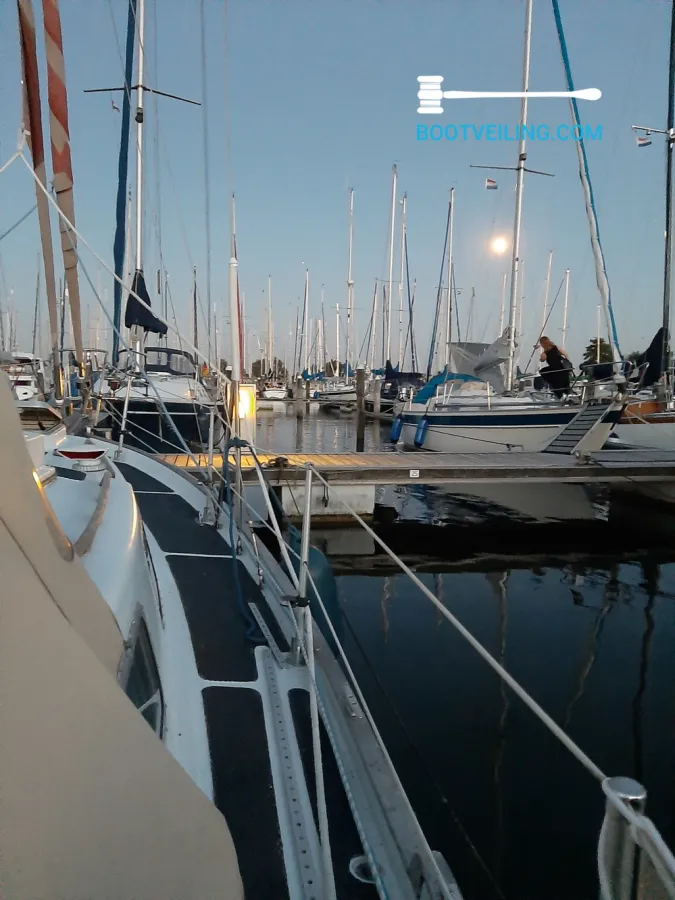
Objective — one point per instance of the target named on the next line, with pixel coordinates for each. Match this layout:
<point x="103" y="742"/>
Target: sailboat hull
<point x="147" y="427"/>
<point x="486" y="432"/>
<point x="346" y="396"/>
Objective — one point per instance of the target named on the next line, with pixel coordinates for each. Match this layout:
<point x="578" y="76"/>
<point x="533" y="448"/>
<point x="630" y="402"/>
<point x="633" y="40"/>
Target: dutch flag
<point x="490" y="185"/>
<point x="644" y="141"/>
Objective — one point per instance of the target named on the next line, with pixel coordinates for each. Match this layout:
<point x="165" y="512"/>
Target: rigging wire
<point x="17" y="223"/>
<point x="434" y="334"/>
<point x="207" y="191"/>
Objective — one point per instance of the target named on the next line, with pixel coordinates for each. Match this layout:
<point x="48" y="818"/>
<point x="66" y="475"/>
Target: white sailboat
<point x="156" y="395"/>
<point x="341" y="391"/>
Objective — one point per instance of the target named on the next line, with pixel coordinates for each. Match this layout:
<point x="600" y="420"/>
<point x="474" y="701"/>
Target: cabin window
<point x="143" y="685"/>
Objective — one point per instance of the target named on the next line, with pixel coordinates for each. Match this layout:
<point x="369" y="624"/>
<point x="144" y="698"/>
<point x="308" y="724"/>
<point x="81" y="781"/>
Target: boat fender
<point x="322" y="575"/>
<point x="396" y="429"/>
<point x="421" y="431"/>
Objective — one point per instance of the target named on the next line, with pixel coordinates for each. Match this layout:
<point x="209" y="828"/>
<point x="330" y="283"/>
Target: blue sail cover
<point x="429" y="390"/>
<point x="122" y="171"/>
<point x="136" y="313"/>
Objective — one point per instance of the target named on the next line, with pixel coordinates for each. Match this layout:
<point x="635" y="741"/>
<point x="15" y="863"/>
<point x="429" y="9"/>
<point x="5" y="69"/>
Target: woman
<point x="558" y="369"/>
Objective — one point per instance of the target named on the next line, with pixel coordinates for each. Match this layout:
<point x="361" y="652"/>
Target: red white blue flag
<point x="490" y="185"/>
<point x="644" y="141"/>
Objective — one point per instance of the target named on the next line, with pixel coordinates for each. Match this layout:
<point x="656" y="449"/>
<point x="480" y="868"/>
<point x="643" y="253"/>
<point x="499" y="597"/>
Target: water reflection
<point x="512" y="811"/>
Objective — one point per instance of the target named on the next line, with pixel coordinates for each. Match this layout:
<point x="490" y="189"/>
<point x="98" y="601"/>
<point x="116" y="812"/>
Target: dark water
<point x="512" y="811"/>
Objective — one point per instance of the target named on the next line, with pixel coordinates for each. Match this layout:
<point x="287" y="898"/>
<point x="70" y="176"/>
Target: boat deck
<point x="423" y="467"/>
<point x="236" y="690"/>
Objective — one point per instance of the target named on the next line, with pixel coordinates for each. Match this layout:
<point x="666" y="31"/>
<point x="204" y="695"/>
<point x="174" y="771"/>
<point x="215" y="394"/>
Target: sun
<point x="499" y="245"/>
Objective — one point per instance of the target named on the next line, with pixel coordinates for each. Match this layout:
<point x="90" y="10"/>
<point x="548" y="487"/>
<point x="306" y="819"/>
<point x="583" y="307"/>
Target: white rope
<point x="576" y="751"/>
<point x="11" y="160"/>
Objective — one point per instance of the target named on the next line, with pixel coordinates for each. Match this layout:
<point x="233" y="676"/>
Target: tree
<point x="260" y="368"/>
<point x="591" y="352"/>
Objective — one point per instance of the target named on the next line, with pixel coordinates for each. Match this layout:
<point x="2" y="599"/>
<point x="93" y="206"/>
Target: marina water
<point x="588" y="635"/>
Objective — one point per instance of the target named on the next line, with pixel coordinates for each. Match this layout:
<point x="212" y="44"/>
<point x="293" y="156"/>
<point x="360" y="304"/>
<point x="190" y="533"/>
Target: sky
<point x="308" y="98"/>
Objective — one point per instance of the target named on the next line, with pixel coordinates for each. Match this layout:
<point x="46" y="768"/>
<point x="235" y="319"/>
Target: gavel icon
<point x="430" y="94"/>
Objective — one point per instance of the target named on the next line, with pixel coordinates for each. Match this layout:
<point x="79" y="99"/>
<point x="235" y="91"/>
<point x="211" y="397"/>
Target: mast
<point x="121" y="241"/>
<point x="337" y="338"/>
<point x="61" y="162"/>
<point x="32" y="126"/>
<point x="195" y="325"/>
<point x="387" y="341"/>
<point x="37" y="308"/>
<point x="400" y="285"/>
<point x="665" y="353"/>
<point x="244" y="355"/>
<point x="270" y="343"/>
<point x="140" y="97"/>
<point x="567" y="290"/>
<point x="546" y="290"/>
<point x="520" y="177"/>
<point x="305" y="325"/>
<point x="350" y="282"/>
<point x="373" y="331"/>
<point x="448" y="320"/>
<point x="501" y="311"/>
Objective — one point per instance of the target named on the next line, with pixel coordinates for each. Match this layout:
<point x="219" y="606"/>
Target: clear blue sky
<point x="323" y="98"/>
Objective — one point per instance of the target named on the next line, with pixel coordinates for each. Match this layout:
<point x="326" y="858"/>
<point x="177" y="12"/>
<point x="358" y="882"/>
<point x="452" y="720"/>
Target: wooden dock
<point x="398" y="468"/>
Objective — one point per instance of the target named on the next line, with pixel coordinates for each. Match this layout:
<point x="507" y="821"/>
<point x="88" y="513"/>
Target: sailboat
<point x="482" y="411"/>
<point x="273" y="389"/>
<point x="340" y="391"/>
<point x="155" y="395"/>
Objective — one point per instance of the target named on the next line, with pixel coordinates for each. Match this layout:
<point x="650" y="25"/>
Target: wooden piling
<point x="360" y="409"/>
<point x="377" y="399"/>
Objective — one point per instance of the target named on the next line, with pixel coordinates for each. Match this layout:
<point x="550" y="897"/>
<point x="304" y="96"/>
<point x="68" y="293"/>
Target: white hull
<point x="275" y="394"/>
<point x="449" y="439"/>
<point x="348" y="396"/>
<point x="659" y="436"/>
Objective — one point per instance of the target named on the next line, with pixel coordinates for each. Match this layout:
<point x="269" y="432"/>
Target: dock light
<point x="499" y="245"/>
<point x="247" y="412"/>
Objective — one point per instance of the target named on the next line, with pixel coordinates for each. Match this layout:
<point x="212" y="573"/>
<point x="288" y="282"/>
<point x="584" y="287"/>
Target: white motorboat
<point x="274" y="392"/>
<point x="337" y="392"/>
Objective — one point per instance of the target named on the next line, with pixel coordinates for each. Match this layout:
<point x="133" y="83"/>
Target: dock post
<point x="308" y="394"/>
<point x="619" y="855"/>
<point x="297" y="396"/>
<point x="377" y="400"/>
<point x="360" y="408"/>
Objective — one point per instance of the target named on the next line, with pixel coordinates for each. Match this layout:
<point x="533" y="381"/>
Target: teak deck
<point x="447" y="468"/>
